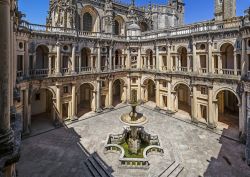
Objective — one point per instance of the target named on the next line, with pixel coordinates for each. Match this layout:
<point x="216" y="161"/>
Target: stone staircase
<point x="173" y="170"/>
<point x="95" y="167"/>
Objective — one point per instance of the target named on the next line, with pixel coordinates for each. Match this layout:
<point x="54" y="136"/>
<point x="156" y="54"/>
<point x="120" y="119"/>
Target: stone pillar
<point x="176" y="63"/>
<point x="98" y="96"/>
<point x="158" y="93"/>
<point x="26" y="59"/>
<point x="243" y="116"/>
<point x="58" y="99"/>
<point x="157" y="59"/>
<point x="139" y="59"/>
<point x="139" y="89"/>
<point x="110" y="58"/>
<point x="92" y="63"/>
<point x="98" y="68"/>
<point x="188" y="63"/>
<point x="235" y="63"/>
<point x="169" y="97"/>
<point x="6" y="134"/>
<point x="195" y="69"/>
<point x="211" y="110"/>
<point x="58" y="59"/>
<point x="220" y="64"/>
<point x="194" y="105"/>
<point x="128" y="59"/>
<point x="110" y="93"/>
<point x="80" y="63"/>
<point x="128" y="89"/>
<point x="73" y="60"/>
<point x="50" y="65"/>
<point x="243" y="58"/>
<point x="210" y="57"/>
<point x="73" y="102"/>
<point x="169" y="62"/>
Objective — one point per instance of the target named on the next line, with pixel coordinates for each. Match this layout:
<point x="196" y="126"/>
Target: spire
<point x="133" y="3"/>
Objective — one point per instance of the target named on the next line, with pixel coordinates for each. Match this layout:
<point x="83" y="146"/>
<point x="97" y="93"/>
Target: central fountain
<point x="134" y="143"/>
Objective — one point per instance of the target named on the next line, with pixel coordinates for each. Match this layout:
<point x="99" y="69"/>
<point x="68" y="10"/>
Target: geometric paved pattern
<point x="62" y="152"/>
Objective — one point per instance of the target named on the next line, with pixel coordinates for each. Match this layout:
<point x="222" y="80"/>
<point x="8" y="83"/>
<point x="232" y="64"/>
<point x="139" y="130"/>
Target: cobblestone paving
<point x="62" y="152"/>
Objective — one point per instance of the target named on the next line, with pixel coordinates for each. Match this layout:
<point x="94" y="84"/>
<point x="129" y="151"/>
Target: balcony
<point x="183" y="69"/>
<point x="203" y="70"/>
<point x="39" y="72"/>
<point x="119" y="67"/>
<point x="86" y="70"/>
<point x="227" y="71"/>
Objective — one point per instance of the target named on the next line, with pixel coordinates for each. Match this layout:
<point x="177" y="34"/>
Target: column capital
<point x="58" y="44"/>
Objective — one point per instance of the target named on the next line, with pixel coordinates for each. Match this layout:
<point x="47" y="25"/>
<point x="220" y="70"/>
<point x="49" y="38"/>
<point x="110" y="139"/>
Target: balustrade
<point x="228" y="71"/>
<point x="39" y="72"/>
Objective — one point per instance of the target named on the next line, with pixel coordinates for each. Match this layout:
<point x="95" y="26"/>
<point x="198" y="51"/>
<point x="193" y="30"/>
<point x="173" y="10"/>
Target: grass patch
<point x="128" y="154"/>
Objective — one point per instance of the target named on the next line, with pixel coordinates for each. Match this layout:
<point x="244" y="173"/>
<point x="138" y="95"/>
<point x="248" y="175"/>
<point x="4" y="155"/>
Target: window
<point x="103" y="84"/>
<point x="202" y="47"/>
<point x="19" y="63"/>
<point x="87" y="22"/>
<point x="20" y="45"/>
<point x="203" y="90"/>
<point x="117" y="28"/>
<point x="164" y="84"/>
<point x="134" y="80"/>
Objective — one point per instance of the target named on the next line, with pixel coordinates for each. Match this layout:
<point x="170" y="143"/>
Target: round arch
<point x="227" y="42"/>
<point x="149" y="92"/>
<point x="42" y="57"/>
<point x="119" y="27"/>
<point x="180" y="82"/>
<point x="226" y="89"/>
<point x="82" y="83"/>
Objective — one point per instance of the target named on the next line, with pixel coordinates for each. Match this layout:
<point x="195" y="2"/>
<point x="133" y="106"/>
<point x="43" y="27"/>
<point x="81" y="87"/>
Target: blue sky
<point x="196" y="10"/>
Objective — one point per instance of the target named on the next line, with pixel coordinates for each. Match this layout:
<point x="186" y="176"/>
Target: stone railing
<point x="66" y="71"/>
<point x="86" y="69"/>
<point x="39" y="72"/>
<point x="228" y="71"/>
<point x="203" y="70"/>
<point x="149" y="35"/>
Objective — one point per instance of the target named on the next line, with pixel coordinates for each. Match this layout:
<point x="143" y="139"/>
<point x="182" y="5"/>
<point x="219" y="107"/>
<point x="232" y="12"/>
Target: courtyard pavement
<point x="61" y="152"/>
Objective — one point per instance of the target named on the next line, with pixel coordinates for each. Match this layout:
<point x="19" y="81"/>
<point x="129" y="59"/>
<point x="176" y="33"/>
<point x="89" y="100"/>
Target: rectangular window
<point x="203" y="90"/>
<point x="65" y="89"/>
<point x="19" y="63"/>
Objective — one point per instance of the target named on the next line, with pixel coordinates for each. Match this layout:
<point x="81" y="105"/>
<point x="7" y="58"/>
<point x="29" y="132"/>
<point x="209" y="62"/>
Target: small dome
<point x="134" y="27"/>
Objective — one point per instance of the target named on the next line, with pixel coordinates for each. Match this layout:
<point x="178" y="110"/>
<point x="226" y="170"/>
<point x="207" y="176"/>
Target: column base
<point x="58" y="74"/>
<point x="157" y="108"/>
<point x="73" y="73"/>
<point x="74" y="118"/>
<point x="211" y="126"/>
<point x="111" y="107"/>
<point x="6" y="143"/>
<point x="195" y="120"/>
<point x="99" y="110"/>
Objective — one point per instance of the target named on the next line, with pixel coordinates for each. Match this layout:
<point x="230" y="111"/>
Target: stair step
<point x="92" y="169"/>
<point x="102" y="164"/>
<point x="170" y="170"/>
<point x="165" y="169"/>
<point x="98" y="167"/>
<point x="177" y="171"/>
<point x="87" y="171"/>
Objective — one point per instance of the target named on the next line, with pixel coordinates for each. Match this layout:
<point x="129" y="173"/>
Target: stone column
<point x="98" y="68"/>
<point x="157" y="59"/>
<point x="128" y="59"/>
<point x="176" y="63"/>
<point x="26" y="59"/>
<point x="211" y="111"/>
<point x="139" y="59"/>
<point x="98" y="96"/>
<point x="92" y="63"/>
<point x="58" y="59"/>
<point x="139" y="89"/>
<point x="73" y="102"/>
<point x="243" y="116"/>
<point x="110" y="93"/>
<point x="110" y="58"/>
<point x="169" y="97"/>
<point x="243" y="59"/>
<point x="169" y="62"/>
<point x="194" y="105"/>
<point x="188" y="63"/>
<point x="195" y="69"/>
<point x="6" y="134"/>
<point x="128" y="89"/>
<point x="235" y="63"/>
<point x="80" y="63"/>
<point x="58" y="99"/>
<point x="50" y="65"/>
<point x="220" y="64"/>
<point x="73" y="60"/>
<point x="158" y="93"/>
<point x="210" y="57"/>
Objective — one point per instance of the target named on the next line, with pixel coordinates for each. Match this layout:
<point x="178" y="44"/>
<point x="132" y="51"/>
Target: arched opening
<point x="41" y="110"/>
<point x="42" y="57"/>
<point x="227" y="54"/>
<point x="85" y="99"/>
<point x="87" y="22"/>
<point x="118" y="59"/>
<point x="90" y="19"/>
<point x="228" y="112"/>
<point x="119" y="25"/>
<point x="143" y="26"/>
<point x="85" y="59"/>
<point x="183" y="99"/>
<point x="183" y="61"/>
<point x="118" y="90"/>
<point x="149" y="59"/>
<point x="149" y="92"/>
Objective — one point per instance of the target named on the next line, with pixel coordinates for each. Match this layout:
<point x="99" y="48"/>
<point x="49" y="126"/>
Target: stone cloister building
<point x="92" y="55"/>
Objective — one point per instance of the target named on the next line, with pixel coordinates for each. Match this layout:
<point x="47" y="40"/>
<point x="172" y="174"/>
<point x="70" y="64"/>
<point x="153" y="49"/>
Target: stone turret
<point x="108" y="26"/>
<point x="62" y="13"/>
<point x="224" y="9"/>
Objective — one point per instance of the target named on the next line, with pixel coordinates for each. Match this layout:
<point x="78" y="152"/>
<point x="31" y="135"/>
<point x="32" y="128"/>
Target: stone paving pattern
<point x="62" y="152"/>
